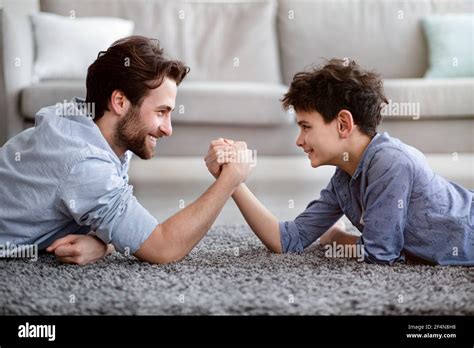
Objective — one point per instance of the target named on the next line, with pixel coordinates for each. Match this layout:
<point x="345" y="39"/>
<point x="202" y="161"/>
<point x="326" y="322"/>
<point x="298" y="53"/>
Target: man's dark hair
<point x="339" y="84"/>
<point x="133" y="65"/>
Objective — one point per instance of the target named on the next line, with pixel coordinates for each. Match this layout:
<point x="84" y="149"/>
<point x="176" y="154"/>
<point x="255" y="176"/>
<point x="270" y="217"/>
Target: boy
<point x="385" y="188"/>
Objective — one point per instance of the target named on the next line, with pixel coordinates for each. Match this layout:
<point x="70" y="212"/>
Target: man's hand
<point x="234" y="153"/>
<point x="219" y="151"/>
<point x="79" y="249"/>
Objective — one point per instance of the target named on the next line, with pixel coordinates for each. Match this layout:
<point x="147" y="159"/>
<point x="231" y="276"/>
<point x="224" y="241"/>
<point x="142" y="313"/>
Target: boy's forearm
<point x="262" y="222"/>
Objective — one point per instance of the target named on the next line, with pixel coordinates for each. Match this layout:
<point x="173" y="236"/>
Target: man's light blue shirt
<point x="398" y="203"/>
<point x="62" y="177"/>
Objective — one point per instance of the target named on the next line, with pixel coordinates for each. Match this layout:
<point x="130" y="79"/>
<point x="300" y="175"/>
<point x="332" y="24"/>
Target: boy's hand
<point x="239" y="170"/>
<point x="79" y="249"/>
<point x="221" y="151"/>
<point x="337" y="233"/>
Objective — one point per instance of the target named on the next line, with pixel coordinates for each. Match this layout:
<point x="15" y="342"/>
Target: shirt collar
<point x="96" y="138"/>
<point x="365" y="155"/>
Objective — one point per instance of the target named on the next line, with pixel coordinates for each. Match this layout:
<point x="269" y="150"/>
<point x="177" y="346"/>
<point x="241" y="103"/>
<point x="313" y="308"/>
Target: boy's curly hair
<point x="339" y="84"/>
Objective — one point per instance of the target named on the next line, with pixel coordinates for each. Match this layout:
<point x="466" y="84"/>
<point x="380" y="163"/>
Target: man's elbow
<point x="159" y="258"/>
<point x="158" y="249"/>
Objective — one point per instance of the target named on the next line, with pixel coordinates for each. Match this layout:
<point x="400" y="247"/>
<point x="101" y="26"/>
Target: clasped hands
<point x="233" y="156"/>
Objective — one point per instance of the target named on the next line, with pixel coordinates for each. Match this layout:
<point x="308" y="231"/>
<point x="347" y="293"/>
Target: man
<point x="67" y="176"/>
<point x="386" y="188"/>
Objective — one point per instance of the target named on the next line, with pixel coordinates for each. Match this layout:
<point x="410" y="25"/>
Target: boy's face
<point x="319" y="140"/>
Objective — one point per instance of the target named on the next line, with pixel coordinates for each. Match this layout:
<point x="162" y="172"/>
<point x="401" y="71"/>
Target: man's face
<point x="140" y="128"/>
<point x="319" y="140"/>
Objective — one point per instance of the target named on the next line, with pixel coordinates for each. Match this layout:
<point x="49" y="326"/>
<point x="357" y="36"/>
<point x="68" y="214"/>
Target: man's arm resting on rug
<point x="174" y="238"/>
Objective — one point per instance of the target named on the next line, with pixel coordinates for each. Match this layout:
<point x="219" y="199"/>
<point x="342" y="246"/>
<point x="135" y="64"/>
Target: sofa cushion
<point x="46" y="93"/>
<point x="196" y="103"/>
<point x="384" y="35"/>
<point x="450" y="41"/>
<point x="231" y="103"/>
<point x="436" y="98"/>
<point x="258" y="104"/>
<point x="228" y="40"/>
<point x="65" y="46"/>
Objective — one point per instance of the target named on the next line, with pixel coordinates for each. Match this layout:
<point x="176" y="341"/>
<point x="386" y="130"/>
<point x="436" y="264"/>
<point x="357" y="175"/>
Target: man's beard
<point x="132" y="135"/>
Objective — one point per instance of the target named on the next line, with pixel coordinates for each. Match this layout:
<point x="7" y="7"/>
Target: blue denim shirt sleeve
<point x="108" y="205"/>
<point x="390" y="181"/>
<point x="318" y="216"/>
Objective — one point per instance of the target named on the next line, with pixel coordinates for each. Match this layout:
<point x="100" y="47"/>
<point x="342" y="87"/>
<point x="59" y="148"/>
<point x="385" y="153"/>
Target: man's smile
<point x="152" y="139"/>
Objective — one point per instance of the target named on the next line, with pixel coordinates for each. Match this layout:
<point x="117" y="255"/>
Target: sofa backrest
<point x="227" y="40"/>
<point x="384" y="35"/>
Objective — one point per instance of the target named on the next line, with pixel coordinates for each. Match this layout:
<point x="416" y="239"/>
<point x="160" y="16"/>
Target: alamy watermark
<point x="409" y="109"/>
<point x="23" y="251"/>
<point x="352" y="251"/>
<point x="28" y="330"/>
<point x="72" y="108"/>
<point x="239" y="156"/>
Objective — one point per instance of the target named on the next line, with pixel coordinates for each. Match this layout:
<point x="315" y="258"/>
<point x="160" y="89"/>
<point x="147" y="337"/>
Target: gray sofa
<point x="243" y="55"/>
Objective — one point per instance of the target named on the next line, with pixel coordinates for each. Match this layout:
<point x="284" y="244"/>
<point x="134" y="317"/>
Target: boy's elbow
<point x="276" y="249"/>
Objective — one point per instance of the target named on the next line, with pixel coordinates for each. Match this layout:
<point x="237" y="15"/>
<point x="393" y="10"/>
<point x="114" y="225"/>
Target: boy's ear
<point x="118" y="103"/>
<point x="345" y="123"/>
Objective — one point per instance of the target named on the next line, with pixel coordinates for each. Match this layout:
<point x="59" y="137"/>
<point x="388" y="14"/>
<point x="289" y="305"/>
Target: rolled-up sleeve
<point x="95" y="195"/>
<point x="390" y="181"/>
<point x="317" y="218"/>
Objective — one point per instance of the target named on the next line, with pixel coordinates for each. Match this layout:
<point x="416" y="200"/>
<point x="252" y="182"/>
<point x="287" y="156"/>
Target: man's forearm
<point x="186" y="228"/>
<point x="174" y="238"/>
<point x="262" y="222"/>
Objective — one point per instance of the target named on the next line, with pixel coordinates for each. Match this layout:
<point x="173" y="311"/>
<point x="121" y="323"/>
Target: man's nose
<point x="166" y="128"/>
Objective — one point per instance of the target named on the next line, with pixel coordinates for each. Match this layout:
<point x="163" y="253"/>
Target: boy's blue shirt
<point x="398" y="203"/>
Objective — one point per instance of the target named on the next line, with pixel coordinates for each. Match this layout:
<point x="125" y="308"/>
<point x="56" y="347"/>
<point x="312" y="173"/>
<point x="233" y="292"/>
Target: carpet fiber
<point x="230" y="272"/>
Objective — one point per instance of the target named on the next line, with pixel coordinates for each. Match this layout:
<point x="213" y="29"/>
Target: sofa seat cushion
<point x="231" y="103"/>
<point x="46" y="93"/>
<point x="196" y="103"/>
<point x="436" y="98"/>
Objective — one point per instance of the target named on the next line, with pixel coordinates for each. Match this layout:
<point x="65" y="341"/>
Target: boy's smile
<point x="338" y="143"/>
<point x="317" y="139"/>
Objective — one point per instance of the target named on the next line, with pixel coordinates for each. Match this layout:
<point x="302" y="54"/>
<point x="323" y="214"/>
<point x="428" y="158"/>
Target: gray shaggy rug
<point x="231" y="273"/>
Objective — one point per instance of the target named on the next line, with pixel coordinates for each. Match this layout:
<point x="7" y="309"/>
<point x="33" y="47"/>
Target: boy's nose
<point x="299" y="140"/>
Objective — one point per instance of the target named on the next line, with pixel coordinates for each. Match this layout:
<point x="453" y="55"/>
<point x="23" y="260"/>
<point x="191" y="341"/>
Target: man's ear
<point x="119" y="103"/>
<point x="345" y="123"/>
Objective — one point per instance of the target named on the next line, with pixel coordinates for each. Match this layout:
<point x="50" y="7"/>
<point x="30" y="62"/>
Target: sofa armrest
<point x="16" y="61"/>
